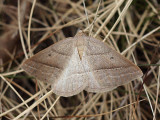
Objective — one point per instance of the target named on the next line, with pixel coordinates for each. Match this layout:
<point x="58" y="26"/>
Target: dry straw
<point x="129" y="27"/>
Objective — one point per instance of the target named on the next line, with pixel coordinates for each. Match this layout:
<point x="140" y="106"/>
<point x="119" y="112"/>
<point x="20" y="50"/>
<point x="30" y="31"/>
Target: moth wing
<point x="73" y="80"/>
<point x="48" y="64"/>
<point x="109" y="68"/>
<point x="59" y="65"/>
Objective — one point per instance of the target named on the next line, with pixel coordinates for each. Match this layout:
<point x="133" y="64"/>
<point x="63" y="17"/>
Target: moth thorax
<point x="80" y="47"/>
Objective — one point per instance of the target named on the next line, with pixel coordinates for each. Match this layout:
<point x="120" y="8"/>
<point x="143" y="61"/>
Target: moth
<point x="81" y="63"/>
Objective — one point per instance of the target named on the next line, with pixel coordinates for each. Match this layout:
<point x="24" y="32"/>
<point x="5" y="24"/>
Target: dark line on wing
<point x="107" y="75"/>
<point x="47" y="65"/>
<point x="38" y="70"/>
<point x="99" y="70"/>
<point x="98" y="54"/>
<point x="60" y="52"/>
<point x="111" y="68"/>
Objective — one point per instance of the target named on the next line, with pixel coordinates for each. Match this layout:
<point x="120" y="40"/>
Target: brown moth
<point x="81" y="63"/>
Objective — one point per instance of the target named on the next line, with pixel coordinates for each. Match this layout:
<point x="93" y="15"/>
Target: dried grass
<point x="130" y="27"/>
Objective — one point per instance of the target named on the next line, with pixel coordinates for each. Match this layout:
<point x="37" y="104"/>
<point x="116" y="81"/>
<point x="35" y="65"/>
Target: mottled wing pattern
<point x="109" y="68"/>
